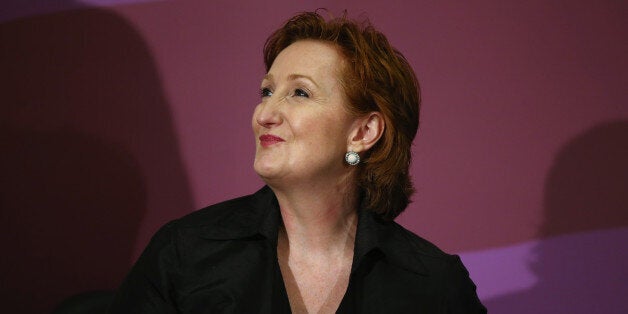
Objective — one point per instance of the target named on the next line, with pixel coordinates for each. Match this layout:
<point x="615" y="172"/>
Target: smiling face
<point x="302" y="127"/>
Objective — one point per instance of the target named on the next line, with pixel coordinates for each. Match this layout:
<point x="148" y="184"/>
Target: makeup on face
<point x="267" y="140"/>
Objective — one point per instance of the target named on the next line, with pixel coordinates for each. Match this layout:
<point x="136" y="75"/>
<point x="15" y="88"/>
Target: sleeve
<point x="462" y="298"/>
<point x="148" y="287"/>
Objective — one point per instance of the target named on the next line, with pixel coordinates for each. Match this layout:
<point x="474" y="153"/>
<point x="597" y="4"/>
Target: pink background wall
<point x="117" y="116"/>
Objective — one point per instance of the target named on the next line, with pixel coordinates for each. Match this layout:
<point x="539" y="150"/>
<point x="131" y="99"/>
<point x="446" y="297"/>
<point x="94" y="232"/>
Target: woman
<point x="339" y="110"/>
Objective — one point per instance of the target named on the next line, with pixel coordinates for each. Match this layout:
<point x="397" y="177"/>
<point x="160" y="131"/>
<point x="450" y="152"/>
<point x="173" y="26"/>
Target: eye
<point x="300" y="93"/>
<point x="265" y="92"/>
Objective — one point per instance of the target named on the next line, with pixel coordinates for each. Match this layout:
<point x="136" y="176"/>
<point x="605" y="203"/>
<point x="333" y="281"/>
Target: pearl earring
<point x="352" y="158"/>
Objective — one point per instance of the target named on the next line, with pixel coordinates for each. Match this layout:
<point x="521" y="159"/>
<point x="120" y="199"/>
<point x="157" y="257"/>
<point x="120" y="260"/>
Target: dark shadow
<point x="87" y="146"/>
<point x="581" y="257"/>
<point x="91" y="302"/>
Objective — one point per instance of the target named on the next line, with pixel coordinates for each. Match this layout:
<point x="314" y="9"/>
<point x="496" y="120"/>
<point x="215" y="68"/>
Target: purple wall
<point x="118" y="116"/>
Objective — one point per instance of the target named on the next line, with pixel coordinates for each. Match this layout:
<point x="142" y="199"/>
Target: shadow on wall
<point x="87" y="146"/>
<point x="581" y="257"/>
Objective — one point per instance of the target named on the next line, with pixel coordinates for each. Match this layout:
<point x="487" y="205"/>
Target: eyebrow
<point x="293" y="77"/>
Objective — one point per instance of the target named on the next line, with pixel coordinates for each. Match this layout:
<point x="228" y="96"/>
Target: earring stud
<point x="352" y="158"/>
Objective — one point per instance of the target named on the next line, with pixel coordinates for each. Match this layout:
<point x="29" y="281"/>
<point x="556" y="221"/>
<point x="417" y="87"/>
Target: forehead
<point x="308" y="57"/>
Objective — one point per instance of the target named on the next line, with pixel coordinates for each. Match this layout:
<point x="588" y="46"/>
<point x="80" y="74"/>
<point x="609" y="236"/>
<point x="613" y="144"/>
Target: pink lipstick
<point x="268" y="140"/>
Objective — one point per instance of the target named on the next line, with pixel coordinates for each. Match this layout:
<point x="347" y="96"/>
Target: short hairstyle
<point x="376" y="77"/>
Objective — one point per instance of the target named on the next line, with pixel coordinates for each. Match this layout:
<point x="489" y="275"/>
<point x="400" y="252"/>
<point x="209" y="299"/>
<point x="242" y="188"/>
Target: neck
<point x="319" y="218"/>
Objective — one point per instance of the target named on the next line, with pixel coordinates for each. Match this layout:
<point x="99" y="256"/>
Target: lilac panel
<point x="502" y="270"/>
<point x="577" y="274"/>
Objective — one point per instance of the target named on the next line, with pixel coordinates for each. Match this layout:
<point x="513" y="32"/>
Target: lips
<point x="268" y="140"/>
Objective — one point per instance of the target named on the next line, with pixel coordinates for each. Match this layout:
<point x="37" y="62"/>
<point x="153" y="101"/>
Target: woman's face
<point x="302" y="126"/>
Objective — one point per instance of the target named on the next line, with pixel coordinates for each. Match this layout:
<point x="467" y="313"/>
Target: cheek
<point x="332" y="124"/>
<point x="323" y="132"/>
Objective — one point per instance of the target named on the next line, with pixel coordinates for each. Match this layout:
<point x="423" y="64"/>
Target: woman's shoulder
<point x="411" y="249"/>
<point x="445" y="270"/>
<point x="420" y="245"/>
<point x="420" y="264"/>
<point x="231" y="218"/>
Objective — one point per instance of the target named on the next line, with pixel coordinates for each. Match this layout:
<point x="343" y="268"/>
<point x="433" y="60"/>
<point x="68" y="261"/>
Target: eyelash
<point x="301" y="93"/>
<point x="266" y="92"/>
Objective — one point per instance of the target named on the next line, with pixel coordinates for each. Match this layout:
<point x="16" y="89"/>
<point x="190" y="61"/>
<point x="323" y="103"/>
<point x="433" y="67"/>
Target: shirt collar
<point x="387" y="237"/>
<point x="258" y="215"/>
<point x="240" y="218"/>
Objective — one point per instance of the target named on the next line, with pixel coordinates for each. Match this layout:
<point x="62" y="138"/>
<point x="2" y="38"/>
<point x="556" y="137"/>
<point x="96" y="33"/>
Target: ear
<point x="366" y="131"/>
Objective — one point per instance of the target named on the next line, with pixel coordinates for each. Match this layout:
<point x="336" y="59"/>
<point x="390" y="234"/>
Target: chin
<point x="264" y="171"/>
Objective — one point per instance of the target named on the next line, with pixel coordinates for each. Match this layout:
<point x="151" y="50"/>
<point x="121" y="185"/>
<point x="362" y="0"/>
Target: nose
<point x="268" y="113"/>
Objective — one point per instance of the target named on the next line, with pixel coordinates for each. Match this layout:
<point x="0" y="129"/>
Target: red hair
<point x="377" y="78"/>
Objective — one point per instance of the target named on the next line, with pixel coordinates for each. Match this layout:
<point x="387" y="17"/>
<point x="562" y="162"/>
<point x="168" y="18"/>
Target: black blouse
<point x="223" y="259"/>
